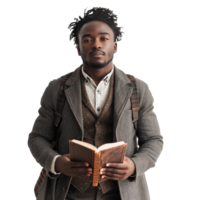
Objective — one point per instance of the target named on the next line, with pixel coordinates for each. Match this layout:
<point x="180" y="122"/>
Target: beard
<point x="97" y="65"/>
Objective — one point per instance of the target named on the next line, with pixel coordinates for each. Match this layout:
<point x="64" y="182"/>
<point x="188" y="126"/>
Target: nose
<point x="96" y="44"/>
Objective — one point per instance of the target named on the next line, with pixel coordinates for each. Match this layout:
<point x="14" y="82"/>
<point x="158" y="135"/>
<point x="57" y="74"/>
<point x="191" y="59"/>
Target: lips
<point x="97" y="53"/>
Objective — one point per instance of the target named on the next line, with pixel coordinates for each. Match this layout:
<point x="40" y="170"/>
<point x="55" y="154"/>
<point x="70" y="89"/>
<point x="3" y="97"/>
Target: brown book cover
<point x="97" y="157"/>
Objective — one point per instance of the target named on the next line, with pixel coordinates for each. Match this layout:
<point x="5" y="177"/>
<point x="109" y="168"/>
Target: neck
<point x="97" y="74"/>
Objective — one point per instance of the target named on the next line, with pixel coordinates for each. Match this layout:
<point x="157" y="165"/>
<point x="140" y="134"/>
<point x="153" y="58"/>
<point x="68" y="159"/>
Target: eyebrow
<point x="102" y="33"/>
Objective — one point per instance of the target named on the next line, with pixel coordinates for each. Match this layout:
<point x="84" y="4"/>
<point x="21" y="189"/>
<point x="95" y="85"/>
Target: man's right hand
<point x="70" y="168"/>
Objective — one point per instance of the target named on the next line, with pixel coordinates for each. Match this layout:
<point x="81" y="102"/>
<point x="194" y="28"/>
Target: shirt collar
<point x="106" y="79"/>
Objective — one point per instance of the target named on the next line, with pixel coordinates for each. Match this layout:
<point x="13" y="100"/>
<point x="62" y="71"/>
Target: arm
<point x="43" y="133"/>
<point x="148" y="133"/>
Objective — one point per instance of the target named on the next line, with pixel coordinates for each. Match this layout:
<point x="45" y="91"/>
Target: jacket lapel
<point x="122" y="93"/>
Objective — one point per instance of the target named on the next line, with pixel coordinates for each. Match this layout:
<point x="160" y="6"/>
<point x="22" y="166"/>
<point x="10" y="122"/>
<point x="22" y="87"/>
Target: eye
<point x="86" y="40"/>
<point x="104" y="39"/>
<point x="101" y="38"/>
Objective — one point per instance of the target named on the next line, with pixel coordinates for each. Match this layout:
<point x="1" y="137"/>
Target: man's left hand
<point x="118" y="171"/>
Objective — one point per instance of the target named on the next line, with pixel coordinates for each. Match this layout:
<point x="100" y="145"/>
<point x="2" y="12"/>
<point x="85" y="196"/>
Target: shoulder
<point x="144" y="94"/>
<point x="141" y="85"/>
<point x="51" y="89"/>
<point x="53" y="85"/>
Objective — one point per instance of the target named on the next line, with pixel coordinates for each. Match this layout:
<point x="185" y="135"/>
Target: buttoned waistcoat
<point x="97" y="131"/>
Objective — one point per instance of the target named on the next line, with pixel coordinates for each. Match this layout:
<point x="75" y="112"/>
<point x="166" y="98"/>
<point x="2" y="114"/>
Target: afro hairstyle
<point x="96" y="13"/>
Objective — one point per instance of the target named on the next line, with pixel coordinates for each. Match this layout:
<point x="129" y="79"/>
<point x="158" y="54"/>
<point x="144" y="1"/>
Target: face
<point x="96" y="44"/>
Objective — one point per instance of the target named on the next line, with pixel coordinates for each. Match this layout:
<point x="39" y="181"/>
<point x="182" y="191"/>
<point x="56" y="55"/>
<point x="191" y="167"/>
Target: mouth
<point x="97" y="54"/>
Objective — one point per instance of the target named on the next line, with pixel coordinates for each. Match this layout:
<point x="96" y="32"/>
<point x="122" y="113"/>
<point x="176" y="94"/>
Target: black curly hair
<point x="95" y="14"/>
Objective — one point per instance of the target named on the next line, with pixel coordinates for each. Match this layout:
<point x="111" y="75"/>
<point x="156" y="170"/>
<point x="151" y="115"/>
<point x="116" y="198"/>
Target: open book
<point x="97" y="157"/>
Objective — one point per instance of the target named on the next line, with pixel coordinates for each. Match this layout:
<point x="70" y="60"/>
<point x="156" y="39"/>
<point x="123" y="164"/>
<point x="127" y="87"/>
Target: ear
<point x="115" y="47"/>
<point x="77" y="49"/>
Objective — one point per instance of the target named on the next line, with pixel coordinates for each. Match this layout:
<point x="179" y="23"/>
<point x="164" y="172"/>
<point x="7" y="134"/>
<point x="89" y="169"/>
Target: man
<point x="97" y="110"/>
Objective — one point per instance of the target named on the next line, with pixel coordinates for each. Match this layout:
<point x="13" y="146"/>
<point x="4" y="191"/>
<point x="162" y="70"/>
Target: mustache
<point x="97" y="50"/>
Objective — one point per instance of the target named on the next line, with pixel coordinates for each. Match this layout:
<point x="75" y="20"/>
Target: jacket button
<point x="98" y="123"/>
<point x="64" y="188"/>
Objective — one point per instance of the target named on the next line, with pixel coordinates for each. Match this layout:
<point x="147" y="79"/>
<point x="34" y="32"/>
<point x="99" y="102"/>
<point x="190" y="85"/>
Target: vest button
<point x="98" y="123"/>
<point x="98" y="138"/>
<point x="64" y="188"/>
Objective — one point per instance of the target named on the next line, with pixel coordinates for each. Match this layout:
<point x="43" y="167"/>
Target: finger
<point x="104" y="178"/>
<point x="115" y="171"/>
<point x="112" y="177"/>
<point x="116" y="165"/>
<point x="80" y="173"/>
<point x="79" y="164"/>
<point x="86" y="174"/>
<point x="81" y="170"/>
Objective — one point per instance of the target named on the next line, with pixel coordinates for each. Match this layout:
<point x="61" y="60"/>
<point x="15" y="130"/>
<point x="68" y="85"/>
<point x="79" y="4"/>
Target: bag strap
<point x="61" y="101"/>
<point x="134" y="104"/>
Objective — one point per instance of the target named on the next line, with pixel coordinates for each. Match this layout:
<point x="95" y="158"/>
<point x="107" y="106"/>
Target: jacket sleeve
<point x="43" y="133"/>
<point x="148" y="132"/>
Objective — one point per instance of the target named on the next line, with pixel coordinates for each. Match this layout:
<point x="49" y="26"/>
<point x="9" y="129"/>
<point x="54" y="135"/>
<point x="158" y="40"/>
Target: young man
<point x="97" y="110"/>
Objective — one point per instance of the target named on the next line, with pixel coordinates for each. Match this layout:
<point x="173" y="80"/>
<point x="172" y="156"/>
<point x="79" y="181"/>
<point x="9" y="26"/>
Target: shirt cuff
<point x="52" y="170"/>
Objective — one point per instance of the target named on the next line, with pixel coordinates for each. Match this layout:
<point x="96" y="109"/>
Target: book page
<point x="109" y="145"/>
<point x="102" y="147"/>
<point x="85" y="144"/>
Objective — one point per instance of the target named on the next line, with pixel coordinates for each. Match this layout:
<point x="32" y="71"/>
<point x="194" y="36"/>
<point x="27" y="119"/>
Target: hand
<point x="118" y="171"/>
<point x="70" y="168"/>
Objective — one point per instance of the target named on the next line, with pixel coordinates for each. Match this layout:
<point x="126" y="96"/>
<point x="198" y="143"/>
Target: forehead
<point x="95" y="27"/>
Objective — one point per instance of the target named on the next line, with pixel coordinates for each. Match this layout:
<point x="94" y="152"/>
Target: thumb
<point x="67" y="156"/>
